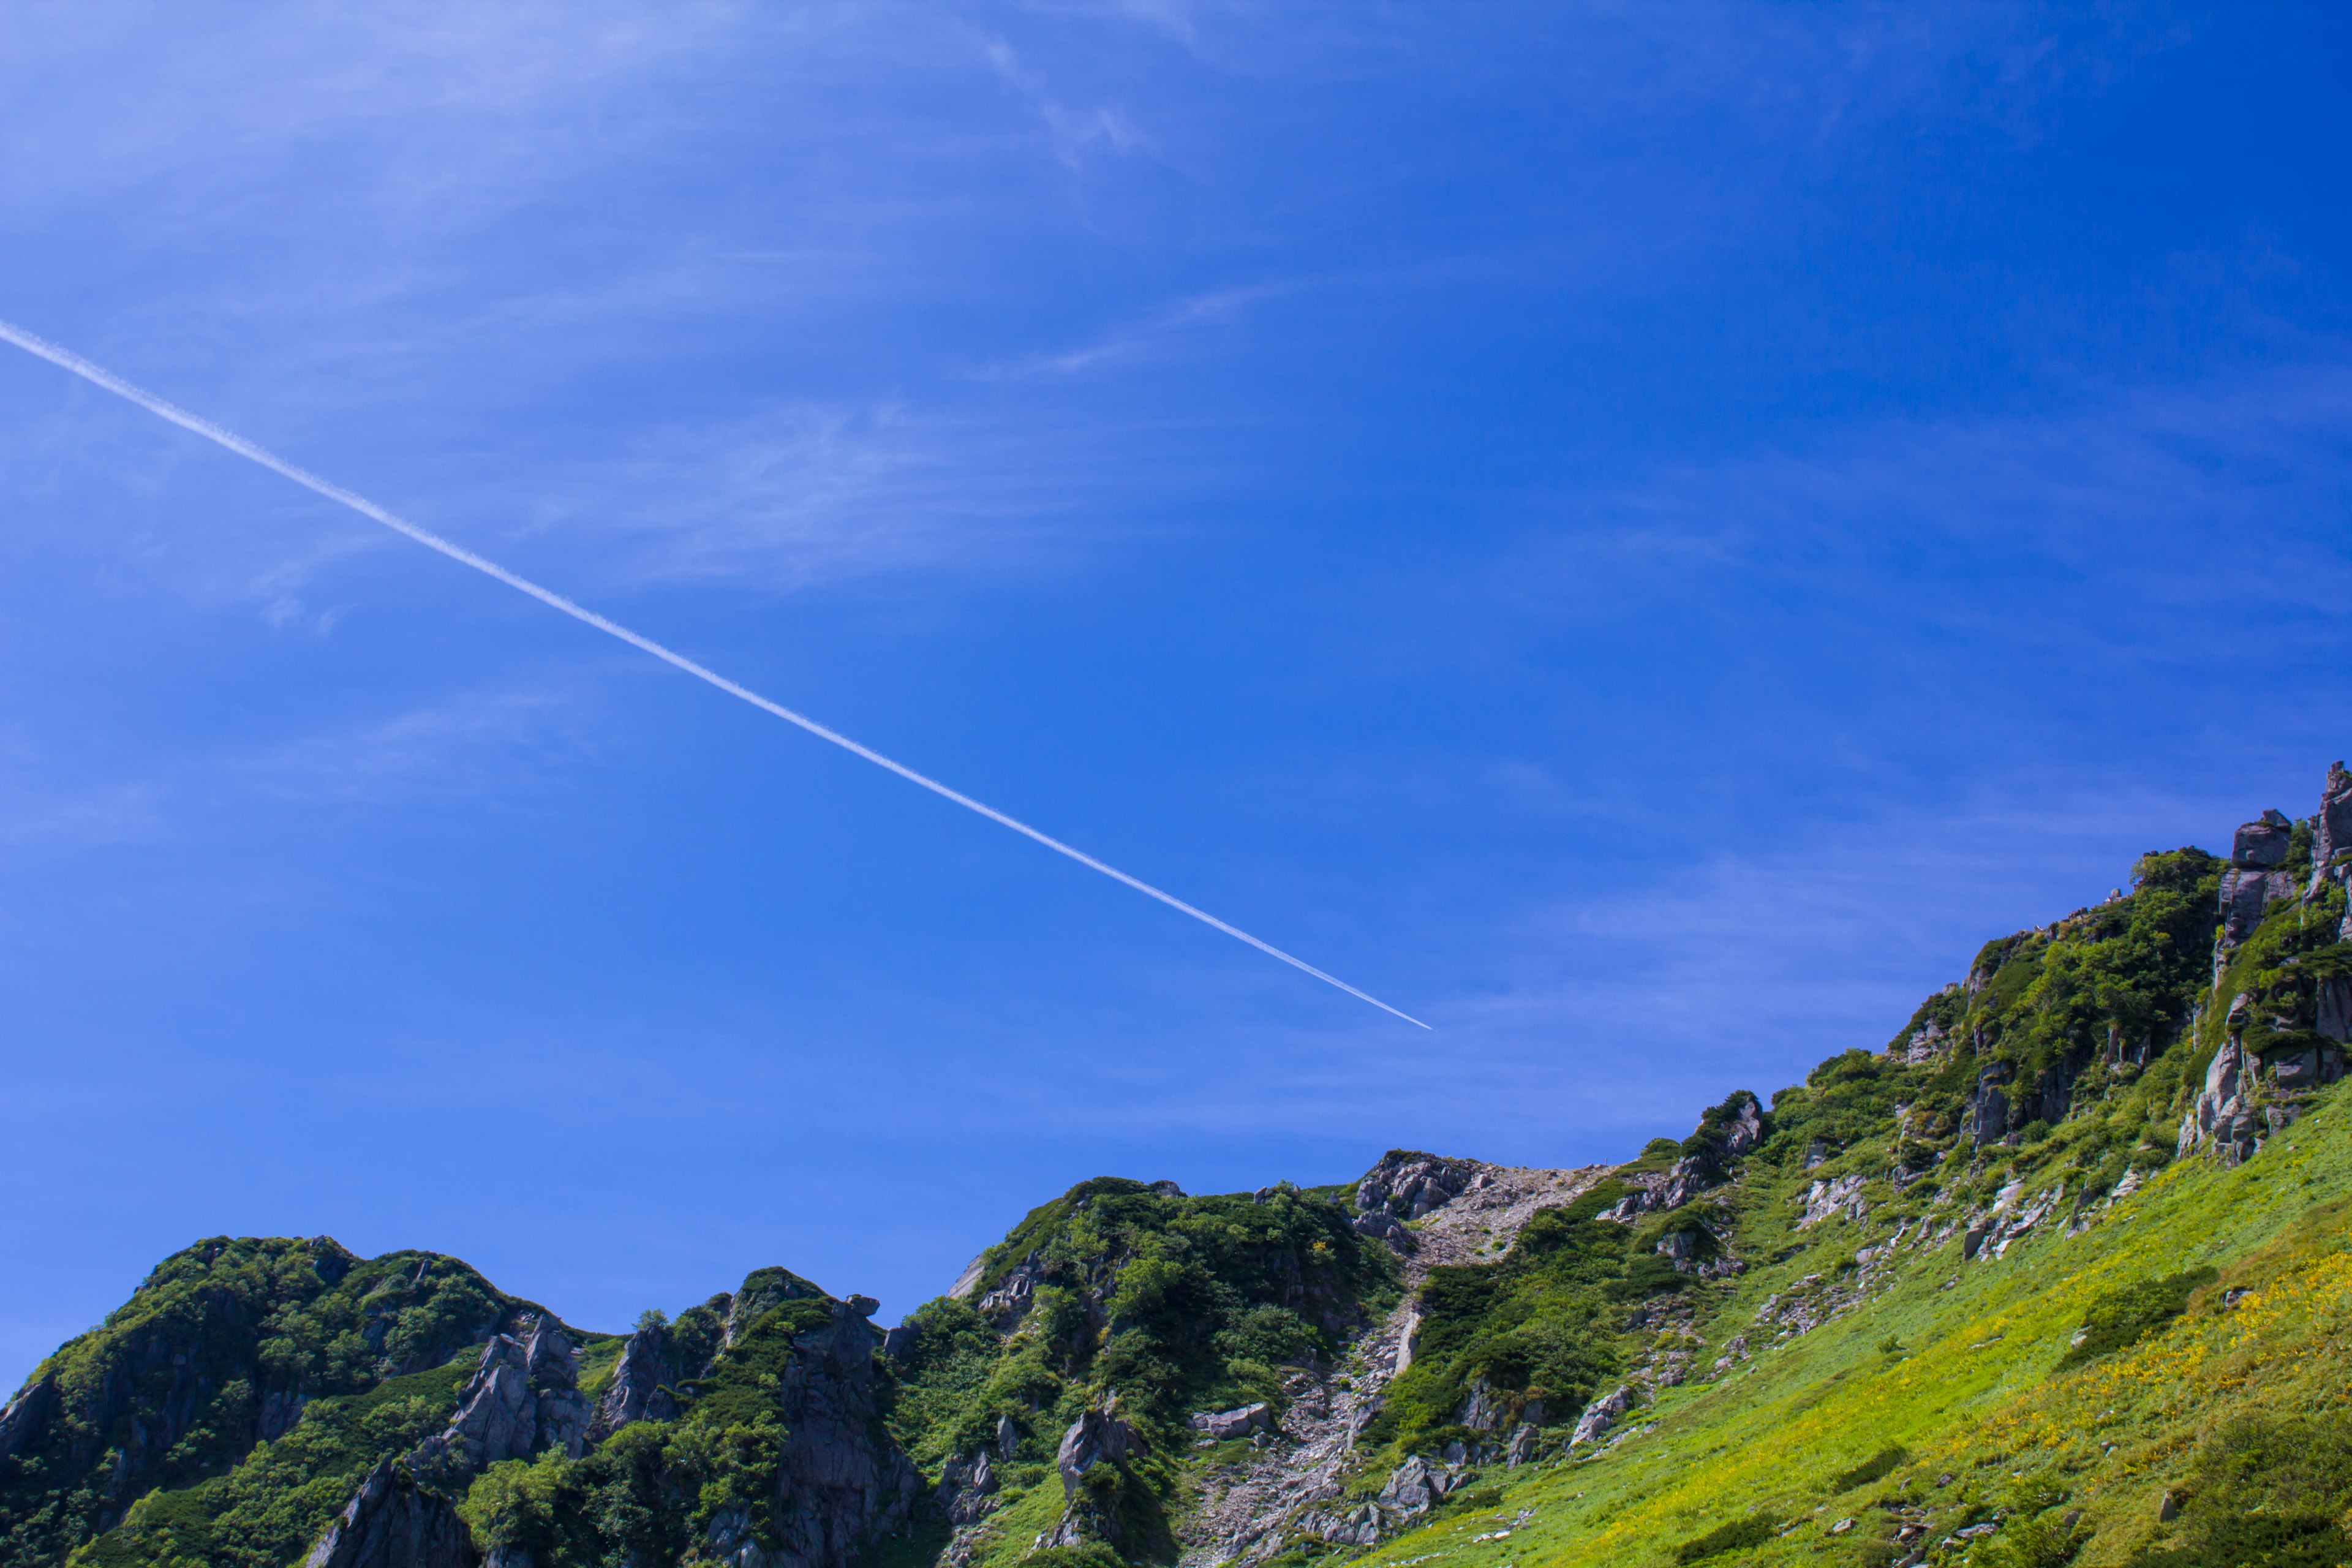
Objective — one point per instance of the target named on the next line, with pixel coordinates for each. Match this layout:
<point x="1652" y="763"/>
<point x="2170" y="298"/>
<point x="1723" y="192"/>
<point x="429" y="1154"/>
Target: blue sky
<point x="1640" y="534"/>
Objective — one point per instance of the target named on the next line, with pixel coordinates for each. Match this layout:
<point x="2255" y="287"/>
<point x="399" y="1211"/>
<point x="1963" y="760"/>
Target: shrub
<point x="1875" y="1468"/>
<point x="2125" y="1317"/>
<point x="1737" y="1536"/>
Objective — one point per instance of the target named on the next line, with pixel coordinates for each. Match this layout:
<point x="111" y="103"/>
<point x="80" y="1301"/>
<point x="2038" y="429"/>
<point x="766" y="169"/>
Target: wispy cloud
<point x="479" y="746"/>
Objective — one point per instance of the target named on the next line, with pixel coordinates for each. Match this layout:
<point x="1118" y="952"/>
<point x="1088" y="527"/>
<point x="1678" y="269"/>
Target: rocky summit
<point x="2059" y="1275"/>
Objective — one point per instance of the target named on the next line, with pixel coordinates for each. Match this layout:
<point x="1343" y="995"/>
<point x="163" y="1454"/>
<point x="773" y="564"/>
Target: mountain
<point x="2061" y="1274"/>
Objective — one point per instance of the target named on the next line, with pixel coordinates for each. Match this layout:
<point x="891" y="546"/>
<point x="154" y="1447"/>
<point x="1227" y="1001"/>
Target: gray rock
<point x="393" y="1522"/>
<point x="1409" y="1183"/>
<point x="640" y="1389"/>
<point x="1381" y="1224"/>
<point x="1226" y="1423"/>
<point x="1009" y="1302"/>
<point x="1600" y="1416"/>
<point x="497" y="1413"/>
<point x="1008" y="1438"/>
<point x="26" y="1416"/>
<point x="1986" y="1117"/>
<point x="969" y="1281"/>
<point x="1168" y="1189"/>
<point x="2263" y="843"/>
<point x="1482" y="1411"/>
<point x="898" y="1341"/>
<point x="2245" y="893"/>
<point x="1522" y="1448"/>
<point x="968" y="1488"/>
<point x="1413" y="1486"/>
<point x="1096" y="1437"/>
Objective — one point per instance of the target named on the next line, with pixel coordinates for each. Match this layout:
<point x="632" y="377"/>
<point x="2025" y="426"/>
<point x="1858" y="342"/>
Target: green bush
<point x="1737" y="1536"/>
<point x="1877" y="1467"/>
<point x="2125" y="1317"/>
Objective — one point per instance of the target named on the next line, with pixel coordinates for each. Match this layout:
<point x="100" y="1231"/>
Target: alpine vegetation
<point x="2061" y="1274"/>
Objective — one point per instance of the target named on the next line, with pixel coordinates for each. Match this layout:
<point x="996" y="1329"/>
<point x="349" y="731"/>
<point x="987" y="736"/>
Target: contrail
<point x="66" y="358"/>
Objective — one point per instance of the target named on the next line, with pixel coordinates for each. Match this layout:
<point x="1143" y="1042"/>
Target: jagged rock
<point x="25" y="1416"/>
<point x="639" y="1390"/>
<point x="1734" y="1351"/>
<point x="1726" y="1134"/>
<point x="2223" y="1115"/>
<point x="1358" y="1526"/>
<point x="1825" y="1200"/>
<point x="562" y="1413"/>
<point x="1008" y="1438"/>
<point x="2264" y="842"/>
<point x="1009" y="1302"/>
<point x="840" y="1487"/>
<point x="1986" y="1119"/>
<point x="1416" y="1485"/>
<point x="1224" y="1424"/>
<point x="2331" y="848"/>
<point x="498" y="1414"/>
<point x="898" y="1340"/>
<point x="1600" y="1416"/>
<point x="1682" y="1246"/>
<point x="1383" y="1226"/>
<point x="1096" y="1437"/>
<point x="1408" y="1184"/>
<point x="1522" y="1448"/>
<point x="967" y="1489"/>
<point x="393" y="1522"/>
<point x="1482" y="1411"/>
<point x="969" y="1281"/>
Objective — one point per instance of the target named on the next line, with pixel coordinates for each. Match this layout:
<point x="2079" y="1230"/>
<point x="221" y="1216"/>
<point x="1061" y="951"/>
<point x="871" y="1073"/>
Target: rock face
<point x="2254" y="880"/>
<point x="841" y="1487"/>
<point x="1600" y="1416"/>
<point x="1408" y="1184"/>
<point x="2331" y="848"/>
<point x="1096" y="1437"/>
<point x="640" y="1389"/>
<point x="392" y="1522"/>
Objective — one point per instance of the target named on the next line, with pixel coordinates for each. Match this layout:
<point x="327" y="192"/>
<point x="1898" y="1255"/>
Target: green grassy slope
<point x="1889" y="1330"/>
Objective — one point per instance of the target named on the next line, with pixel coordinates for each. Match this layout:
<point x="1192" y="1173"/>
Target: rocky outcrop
<point x="967" y="1490"/>
<point x="640" y="1388"/>
<point x="2223" y="1117"/>
<point x="2253" y="881"/>
<point x="392" y="1522"/>
<point x="1007" y="1304"/>
<point x="843" y="1484"/>
<point x="1219" y="1425"/>
<point x="1408" y="1185"/>
<point x="1600" y="1416"/>
<point x="25" y="1416"/>
<point x="1096" y="1437"/>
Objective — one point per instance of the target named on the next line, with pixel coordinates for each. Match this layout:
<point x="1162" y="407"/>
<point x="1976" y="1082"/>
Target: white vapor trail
<point x="67" y="360"/>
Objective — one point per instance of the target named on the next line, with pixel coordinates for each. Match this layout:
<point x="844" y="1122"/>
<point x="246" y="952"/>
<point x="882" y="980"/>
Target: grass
<point x="1978" y="1396"/>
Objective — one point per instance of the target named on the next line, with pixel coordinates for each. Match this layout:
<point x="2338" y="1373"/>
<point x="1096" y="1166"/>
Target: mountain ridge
<point x="1371" y="1369"/>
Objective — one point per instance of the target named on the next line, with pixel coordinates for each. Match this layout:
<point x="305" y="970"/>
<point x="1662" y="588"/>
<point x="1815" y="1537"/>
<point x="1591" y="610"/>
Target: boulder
<point x="1413" y="1486"/>
<point x="1600" y="1416"/>
<point x="1482" y="1411"/>
<point x="1227" y="1424"/>
<point x="1096" y="1437"/>
<point x="2264" y="842"/>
